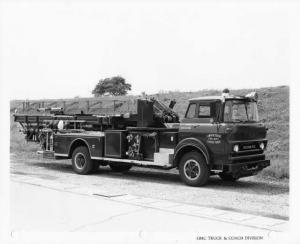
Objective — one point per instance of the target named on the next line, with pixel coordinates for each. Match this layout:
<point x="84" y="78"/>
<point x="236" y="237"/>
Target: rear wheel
<point x="120" y="167"/>
<point x="81" y="161"/>
<point x="227" y="177"/>
<point x="193" y="169"/>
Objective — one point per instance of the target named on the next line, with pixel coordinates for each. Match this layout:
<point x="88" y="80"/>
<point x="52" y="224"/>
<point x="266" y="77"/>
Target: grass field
<point x="273" y="108"/>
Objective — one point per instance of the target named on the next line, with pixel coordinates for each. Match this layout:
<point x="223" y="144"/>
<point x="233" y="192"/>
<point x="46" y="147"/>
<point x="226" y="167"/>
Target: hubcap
<point x="191" y="169"/>
<point x="79" y="160"/>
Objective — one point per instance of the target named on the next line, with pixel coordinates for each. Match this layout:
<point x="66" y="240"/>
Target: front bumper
<point x="247" y="168"/>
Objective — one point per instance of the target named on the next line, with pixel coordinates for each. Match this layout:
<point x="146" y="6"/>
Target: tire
<point x="227" y="177"/>
<point x="120" y="167"/>
<point x="193" y="169"/>
<point x="81" y="161"/>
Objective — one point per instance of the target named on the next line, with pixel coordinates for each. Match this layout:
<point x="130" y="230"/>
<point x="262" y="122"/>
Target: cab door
<point x="201" y="122"/>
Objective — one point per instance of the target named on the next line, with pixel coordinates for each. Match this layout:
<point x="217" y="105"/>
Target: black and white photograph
<point x="148" y="121"/>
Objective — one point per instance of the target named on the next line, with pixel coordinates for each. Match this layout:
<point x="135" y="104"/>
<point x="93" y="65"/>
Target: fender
<point x="191" y="142"/>
<point x="79" y="141"/>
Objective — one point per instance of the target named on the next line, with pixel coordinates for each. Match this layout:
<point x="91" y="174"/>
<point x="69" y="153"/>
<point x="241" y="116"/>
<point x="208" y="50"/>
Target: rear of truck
<point x="140" y="139"/>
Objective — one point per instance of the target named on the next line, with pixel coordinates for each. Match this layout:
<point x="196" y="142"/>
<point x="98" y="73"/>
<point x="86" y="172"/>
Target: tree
<point x="115" y="86"/>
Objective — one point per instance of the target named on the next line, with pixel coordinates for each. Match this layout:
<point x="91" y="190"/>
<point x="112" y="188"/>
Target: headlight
<point x="236" y="148"/>
<point x="262" y="146"/>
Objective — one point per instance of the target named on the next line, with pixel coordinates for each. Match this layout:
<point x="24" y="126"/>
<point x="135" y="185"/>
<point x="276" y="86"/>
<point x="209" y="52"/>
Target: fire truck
<point x="219" y="135"/>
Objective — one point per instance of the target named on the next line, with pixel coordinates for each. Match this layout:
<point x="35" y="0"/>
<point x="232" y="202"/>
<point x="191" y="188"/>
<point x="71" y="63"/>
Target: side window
<point x="192" y="111"/>
<point x="204" y="111"/>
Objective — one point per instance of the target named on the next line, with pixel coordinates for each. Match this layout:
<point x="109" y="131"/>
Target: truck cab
<point x="227" y="135"/>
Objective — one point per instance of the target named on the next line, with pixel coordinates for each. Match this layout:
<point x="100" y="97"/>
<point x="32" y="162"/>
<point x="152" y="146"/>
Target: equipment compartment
<point x="168" y="139"/>
<point x="115" y="143"/>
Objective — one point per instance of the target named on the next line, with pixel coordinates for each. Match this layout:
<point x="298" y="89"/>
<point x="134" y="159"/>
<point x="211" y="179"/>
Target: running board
<point x="135" y="162"/>
<point x="47" y="154"/>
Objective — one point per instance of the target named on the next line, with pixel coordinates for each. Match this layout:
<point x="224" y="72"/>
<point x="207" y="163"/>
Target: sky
<point x="61" y="49"/>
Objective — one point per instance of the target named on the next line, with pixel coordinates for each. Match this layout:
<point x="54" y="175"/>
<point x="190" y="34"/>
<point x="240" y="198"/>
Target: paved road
<point x="250" y="195"/>
<point x="42" y="205"/>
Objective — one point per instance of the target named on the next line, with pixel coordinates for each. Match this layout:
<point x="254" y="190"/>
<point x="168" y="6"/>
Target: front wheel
<point x="81" y="161"/>
<point x="193" y="169"/>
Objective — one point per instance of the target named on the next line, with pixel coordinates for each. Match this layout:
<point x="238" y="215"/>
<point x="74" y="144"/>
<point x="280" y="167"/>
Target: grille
<point x="249" y="146"/>
<point x="248" y="152"/>
<point x="248" y="159"/>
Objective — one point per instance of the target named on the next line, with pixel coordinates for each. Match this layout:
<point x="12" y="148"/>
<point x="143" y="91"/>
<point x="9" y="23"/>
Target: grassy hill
<point x="273" y="109"/>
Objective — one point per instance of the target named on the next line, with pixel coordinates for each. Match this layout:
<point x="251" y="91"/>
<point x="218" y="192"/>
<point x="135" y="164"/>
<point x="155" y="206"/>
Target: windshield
<point x="240" y="111"/>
